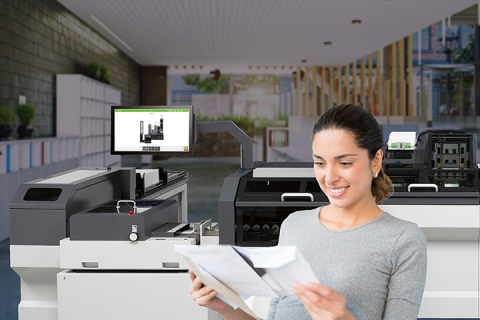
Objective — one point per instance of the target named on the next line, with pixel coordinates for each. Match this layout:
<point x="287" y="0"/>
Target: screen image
<point x="152" y="129"/>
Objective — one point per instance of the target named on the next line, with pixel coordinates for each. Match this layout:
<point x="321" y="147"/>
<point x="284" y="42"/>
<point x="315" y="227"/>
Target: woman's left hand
<point x="322" y="302"/>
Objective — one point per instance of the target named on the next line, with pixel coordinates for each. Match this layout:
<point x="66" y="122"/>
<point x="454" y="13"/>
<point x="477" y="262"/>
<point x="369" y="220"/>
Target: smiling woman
<point x="370" y="265"/>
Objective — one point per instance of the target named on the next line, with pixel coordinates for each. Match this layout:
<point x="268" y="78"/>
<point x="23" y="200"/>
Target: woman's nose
<point x="330" y="175"/>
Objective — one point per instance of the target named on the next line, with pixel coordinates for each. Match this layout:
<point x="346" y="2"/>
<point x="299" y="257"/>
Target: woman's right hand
<point x="205" y="296"/>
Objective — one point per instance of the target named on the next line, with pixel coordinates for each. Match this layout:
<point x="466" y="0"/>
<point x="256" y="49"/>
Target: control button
<point x="133" y="236"/>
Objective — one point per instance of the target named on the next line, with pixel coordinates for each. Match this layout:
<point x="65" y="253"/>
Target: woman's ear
<point x="377" y="161"/>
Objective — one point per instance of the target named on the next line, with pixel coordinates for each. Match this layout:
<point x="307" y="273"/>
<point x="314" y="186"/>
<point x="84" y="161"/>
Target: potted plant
<point x="93" y="69"/>
<point x="25" y="113"/>
<point x="7" y="118"/>
<point x="104" y="74"/>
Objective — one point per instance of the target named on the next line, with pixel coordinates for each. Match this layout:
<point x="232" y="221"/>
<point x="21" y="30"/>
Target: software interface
<point x="157" y="130"/>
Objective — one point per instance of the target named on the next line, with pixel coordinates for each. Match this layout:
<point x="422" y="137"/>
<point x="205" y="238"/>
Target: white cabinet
<point x="83" y="110"/>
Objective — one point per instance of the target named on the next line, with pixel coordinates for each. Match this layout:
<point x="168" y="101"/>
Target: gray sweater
<point x="380" y="266"/>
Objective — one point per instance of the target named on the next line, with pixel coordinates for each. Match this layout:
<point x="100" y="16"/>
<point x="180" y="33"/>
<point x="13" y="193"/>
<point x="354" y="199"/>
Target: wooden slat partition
<point x="386" y="88"/>
<point x="380" y="105"/>
<point x="362" y="83"/>
<point x="323" y="75"/>
<point x="370" y="84"/>
<point x="354" y="82"/>
<point x="338" y="85"/>
<point x="394" y="80"/>
<point x="330" y="87"/>
<point x="410" y="76"/>
<point x="346" y="81"/>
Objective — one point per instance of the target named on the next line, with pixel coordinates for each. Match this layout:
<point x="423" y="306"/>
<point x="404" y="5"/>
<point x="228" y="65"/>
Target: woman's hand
<point x="322" y="302"/>
<point x="205" y="296"/>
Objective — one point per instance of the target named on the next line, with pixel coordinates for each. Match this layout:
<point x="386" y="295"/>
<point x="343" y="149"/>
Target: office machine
<point x="86" y="228"/>
<point x="104" y="237"/>
<point x="435" y="178"/>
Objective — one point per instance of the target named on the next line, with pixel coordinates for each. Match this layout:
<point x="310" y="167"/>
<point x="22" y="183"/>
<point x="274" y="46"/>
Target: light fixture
<point x="357" y="21"/>
<point x="327" y="43"/>
<point x="111" y="32"/>
<point x="448" y="43"/>
<point x="303" y="61"/>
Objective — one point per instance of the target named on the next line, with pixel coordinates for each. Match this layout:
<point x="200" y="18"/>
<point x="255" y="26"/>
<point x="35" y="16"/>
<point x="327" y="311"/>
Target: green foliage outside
<point x="7" y="116"/>
<point x="220" y="86"/>
<point x="25" y="113"/>
<point x="243" y="122"/>
<point x="207" y="85"/>
<point x="466" y="54"/>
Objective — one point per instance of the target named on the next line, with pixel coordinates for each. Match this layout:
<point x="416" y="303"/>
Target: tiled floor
<point x="9" y="285"/>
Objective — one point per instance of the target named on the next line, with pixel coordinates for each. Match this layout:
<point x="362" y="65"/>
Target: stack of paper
<point x="237" y="272"/>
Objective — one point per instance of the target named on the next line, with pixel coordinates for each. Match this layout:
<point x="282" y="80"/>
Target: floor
<point x="203" y="189"/>
<point x="9" y="285"/>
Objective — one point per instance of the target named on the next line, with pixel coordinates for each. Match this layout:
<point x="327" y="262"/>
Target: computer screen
<point x="152" y="130"/>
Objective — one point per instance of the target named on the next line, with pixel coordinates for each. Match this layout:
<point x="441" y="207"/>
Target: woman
<point x="370" y="265"/>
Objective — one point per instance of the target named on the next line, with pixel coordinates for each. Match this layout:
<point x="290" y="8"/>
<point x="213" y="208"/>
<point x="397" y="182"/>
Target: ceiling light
<point x="111" y="32"/>
<point x="357" y="21"/>
<point x="303" y="61"/>
<point x="327" y="43"/>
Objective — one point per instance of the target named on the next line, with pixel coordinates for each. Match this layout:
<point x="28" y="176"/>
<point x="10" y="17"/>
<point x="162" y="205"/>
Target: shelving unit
<point x="276" y="137"/>
<point x="83" y="110"/>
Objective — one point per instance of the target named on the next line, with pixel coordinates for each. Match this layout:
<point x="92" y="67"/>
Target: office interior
<point x="271" y="68"/>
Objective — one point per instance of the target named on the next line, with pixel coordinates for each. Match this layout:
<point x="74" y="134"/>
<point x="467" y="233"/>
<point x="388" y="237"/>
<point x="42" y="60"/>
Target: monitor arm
<point x="237" y="133"/>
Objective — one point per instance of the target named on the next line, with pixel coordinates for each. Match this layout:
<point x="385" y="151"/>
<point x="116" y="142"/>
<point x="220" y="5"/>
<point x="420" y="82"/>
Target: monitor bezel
<point x="191" y="142"/>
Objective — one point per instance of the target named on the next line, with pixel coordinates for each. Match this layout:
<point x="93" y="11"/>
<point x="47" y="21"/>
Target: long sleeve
<point x="407" y="282"/>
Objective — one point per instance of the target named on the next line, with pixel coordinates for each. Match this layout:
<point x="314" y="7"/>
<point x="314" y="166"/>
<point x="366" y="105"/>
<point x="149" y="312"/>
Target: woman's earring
<point x="375" y="175"/>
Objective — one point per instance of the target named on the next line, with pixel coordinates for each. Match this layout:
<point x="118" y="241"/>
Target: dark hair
<point x="366" y="133"/>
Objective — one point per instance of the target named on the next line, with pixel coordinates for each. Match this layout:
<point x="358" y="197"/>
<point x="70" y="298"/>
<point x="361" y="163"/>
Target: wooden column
<point x="379" y="84"/>
<point x="323" y="75"/>
<point x="393" y="96"/>
<point x="401" y="74"/>
<point x="346" y="80"/>
<point x="370" y="84"/>
<point x="410" y="77"/>
<point x="354" y="82"/>
<point x="386" y="88"/>
<point x="153" y="86"/>
<point x="330" y="87"/>
<point x="338" y="84"/>
<point x="362" y="83"/>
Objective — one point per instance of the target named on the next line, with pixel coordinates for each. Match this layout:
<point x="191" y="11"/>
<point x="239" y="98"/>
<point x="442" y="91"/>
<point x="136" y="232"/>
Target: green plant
<point x="25" y="113"/>
<point x="7" y="116"/>
<point x="103" y="74"/>
<point x="93" y="69"/>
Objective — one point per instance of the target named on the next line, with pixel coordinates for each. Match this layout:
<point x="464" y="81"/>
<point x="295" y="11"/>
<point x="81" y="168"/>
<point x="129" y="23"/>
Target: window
<point x="425" y="39"/>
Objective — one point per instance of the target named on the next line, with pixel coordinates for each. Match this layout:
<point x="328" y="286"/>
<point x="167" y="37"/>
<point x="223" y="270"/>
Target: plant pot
<point x="5" y="132"/>
<point x="24" y="132"/>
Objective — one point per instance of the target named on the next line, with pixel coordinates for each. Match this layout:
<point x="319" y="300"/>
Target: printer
<point x="104" y="238"/>
<point x="436" y="185"/>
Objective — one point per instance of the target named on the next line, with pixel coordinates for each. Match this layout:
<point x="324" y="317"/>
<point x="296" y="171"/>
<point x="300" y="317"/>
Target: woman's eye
<point x="346" y="164"/>
<point x="318" y="164"/>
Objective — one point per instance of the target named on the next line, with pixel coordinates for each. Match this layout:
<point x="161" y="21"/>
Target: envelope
<point x="237" y="273"/>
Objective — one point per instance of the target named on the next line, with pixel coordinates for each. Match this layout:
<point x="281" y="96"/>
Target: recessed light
<point x="328" y="43"/>
<point x="303" y="61"/>
<point x="357" y="21"/>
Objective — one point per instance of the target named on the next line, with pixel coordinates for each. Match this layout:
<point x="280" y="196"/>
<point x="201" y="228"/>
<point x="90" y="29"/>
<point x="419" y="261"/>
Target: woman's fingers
<point x="320" y="299"/>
